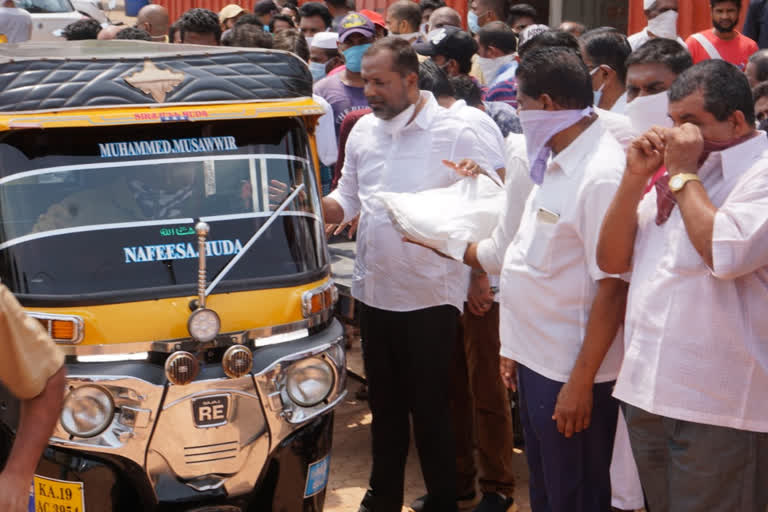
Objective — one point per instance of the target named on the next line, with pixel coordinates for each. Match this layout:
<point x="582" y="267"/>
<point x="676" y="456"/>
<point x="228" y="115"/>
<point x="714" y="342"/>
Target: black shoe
<point x="494" y="502"/>
<point x="419" y="503"/>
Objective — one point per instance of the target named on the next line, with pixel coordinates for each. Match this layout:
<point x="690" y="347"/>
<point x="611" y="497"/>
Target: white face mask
<point x="539" y="126"/>
<point x="645" y="112"/>
<point x="490" y="67"/>
<point x="424" y="28"/>
<point x="598" y="94"/>
<point x="664" y="25"/>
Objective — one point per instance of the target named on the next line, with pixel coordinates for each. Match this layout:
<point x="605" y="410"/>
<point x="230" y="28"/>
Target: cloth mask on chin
<point x="396" y="124"/>
<point x="664" y="25"/>
<point x="539" y="126"/>
<point x="491" y="67"/>
<point x="645" y="112"/>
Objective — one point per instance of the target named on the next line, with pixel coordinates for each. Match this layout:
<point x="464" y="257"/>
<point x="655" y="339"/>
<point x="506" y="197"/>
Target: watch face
<point x="676" y="182"/>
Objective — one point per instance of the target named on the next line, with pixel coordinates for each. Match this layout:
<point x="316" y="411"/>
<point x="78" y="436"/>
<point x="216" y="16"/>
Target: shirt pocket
<point x="538" y="254"/>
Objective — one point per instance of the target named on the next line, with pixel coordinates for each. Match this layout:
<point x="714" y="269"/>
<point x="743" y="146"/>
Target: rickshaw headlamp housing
<point x="204" y="325"/>
<point x="309" y="381"/>
<point x="87" y="411"/>
<point x="237" y="361"/>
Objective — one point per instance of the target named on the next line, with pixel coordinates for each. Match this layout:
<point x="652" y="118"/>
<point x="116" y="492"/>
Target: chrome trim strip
<point x="249" y="338"/>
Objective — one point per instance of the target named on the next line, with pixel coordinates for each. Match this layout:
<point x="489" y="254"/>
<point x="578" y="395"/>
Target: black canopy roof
<point x="51" y="76"/>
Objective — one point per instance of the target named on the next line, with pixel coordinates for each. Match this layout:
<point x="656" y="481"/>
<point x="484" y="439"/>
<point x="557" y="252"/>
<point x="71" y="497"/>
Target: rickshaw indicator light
<point x="181" y="368"/>
<point x="319" y="299"/>
<point x="61" y="328"/>
<point x="87" y="411"/>
<point x="309" y="381"/>
<point x="237" y="361"/>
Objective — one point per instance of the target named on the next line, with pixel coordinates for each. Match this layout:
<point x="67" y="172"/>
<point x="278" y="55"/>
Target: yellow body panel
<point x="166" y="319"/>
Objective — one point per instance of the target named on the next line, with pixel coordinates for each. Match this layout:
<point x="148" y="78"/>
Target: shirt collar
<point x="569" y="158"/>
<point x="427" y="113"/>
<point x="737" y="159"/>
<point x="457" y="105"/>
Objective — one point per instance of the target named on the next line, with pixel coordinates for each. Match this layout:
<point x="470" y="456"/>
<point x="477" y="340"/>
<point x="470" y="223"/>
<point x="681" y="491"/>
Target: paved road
<point x="351" y="461"/>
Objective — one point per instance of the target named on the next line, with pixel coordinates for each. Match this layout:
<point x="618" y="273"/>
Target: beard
<point x="724" y="26"/>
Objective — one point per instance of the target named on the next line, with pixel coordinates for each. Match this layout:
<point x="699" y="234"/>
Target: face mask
<point x="309" y="41"/>
<point x="598" y="94"/>
<point x="763" y="125"/>
<point x="396" y="124"/>
<point x="266" y="28"/>
<point x="424" y="28"/>
<point x="472" y="22"/>
<point x="490" y="67"/>
<point x="713" y="146"/>
<point x="354" y="57"/>
<point x="317" y="69"/>
<point x="645" y="112"/>
<point x="541" y="125"/>
<point x="408" y="36"/>
<point x="664" y="25"/>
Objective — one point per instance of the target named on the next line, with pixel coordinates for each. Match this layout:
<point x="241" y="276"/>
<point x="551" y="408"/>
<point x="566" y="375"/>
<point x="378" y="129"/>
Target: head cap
<point x="355" y="23"/>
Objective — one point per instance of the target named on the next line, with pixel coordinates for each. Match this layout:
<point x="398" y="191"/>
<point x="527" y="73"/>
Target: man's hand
<point x="465" y="167"/>
<point x="480" y="296"/>
<point x="573" y="409"/>
<point x="337" y="229"/>
<point x="508" y="369"/>
<point x="646" y="153"/>
<point x="15" y="493"/>
<point x="684" y="146"/>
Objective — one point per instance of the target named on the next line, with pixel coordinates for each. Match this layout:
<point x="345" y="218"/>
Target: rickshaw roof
<point x="91" y="74"/>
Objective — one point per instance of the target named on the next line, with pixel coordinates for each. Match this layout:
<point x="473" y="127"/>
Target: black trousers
<point x="408" y="360"/>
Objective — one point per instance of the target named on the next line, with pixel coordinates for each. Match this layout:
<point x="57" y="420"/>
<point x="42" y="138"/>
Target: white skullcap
<point x="647" y="4"/>
<point x="325" y="40"/>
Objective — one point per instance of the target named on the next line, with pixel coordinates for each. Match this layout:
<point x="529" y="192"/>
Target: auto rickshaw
<point x="160" y="216"/>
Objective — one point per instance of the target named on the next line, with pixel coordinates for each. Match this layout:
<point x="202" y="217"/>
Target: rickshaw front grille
<point x="211" y="452"/>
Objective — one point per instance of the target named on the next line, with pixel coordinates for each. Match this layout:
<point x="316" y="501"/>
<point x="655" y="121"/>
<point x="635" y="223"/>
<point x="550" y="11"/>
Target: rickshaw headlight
<point x="309" y="381"/>
<point x="237" y="361"/>
<point x="204" y="325"/>
<point x="87" y="411"/>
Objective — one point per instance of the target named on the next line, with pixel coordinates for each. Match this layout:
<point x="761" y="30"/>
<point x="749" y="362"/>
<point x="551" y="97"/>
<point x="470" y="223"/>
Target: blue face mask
<point x="266" y="28"/>
<point x="472" y="22"/>
<point x="317" y="69"/>
<point x="354" y="57"/>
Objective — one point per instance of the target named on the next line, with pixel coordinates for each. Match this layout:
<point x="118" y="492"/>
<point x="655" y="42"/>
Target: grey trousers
<point x="692" y="467"/>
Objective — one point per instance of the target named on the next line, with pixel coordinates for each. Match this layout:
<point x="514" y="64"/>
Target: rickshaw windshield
<point x="95" y="212"/>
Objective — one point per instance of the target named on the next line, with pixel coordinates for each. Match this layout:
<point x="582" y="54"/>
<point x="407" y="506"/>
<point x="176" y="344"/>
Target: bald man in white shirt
<point x="411" y="297"/>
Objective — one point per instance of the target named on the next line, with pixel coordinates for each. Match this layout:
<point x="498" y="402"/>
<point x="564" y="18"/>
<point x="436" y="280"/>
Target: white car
<point x="49" y="17"/>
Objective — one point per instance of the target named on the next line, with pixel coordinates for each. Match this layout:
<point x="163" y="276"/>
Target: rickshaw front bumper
<point x="215" y="439"/>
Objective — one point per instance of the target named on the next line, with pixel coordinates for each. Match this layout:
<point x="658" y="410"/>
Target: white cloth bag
<point x="447" y="219"/>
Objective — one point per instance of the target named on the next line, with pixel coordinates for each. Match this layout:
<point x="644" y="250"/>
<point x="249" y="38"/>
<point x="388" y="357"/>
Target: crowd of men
<point x="621" y="291"/>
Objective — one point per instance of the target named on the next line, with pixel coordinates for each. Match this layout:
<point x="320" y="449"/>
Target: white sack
<point x="446" y="219"/>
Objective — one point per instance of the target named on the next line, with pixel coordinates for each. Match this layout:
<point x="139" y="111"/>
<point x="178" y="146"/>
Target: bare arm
<point x="574" y="402"/>
<point x="38" y="417"/>
<point x="617" y="235"/>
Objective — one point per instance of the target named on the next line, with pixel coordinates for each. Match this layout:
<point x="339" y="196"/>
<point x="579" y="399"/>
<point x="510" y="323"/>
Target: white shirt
<point x="489" y="135"/>
<point x="327" y="146"/>
<point x="697" y="338"/>
<point x="15" y="24"/>
<point x="620" y="107"/>
<point x="619" y="125"/>
<point x="550" y="273"/>
<point x="638" y="39"/>
<point x="518" y="185"/>
<point x="390" y="273"/>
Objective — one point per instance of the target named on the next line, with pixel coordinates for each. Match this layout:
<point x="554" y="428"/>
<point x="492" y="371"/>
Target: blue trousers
<point x="573" y="474"/>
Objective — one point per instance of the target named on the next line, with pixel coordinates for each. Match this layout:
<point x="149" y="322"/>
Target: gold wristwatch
<point x="678" y="181"/>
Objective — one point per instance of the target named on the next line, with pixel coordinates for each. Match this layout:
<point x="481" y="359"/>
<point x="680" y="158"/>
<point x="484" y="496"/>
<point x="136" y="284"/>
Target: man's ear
<point x="738" y="121"/>
<point x="547" y="103"/>
<point x="452" y="68"/>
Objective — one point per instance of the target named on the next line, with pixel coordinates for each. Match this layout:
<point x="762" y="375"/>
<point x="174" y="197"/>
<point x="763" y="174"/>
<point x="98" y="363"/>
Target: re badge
<point x="210" y="411"/>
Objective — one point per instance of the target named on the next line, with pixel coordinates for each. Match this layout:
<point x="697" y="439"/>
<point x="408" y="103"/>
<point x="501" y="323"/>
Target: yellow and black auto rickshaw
<point x="160" y="215"/>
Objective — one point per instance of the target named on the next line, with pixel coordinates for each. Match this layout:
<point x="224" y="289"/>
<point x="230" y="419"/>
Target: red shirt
<point x="736" y="51"/>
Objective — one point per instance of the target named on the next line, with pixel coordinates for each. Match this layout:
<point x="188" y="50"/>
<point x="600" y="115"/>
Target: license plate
<point x="210" y="411"/>
<point x="49" y="494"/>
<point x="317" y="476"/>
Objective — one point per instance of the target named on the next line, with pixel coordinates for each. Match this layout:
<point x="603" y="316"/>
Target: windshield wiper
<point x="221" y="275"/>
